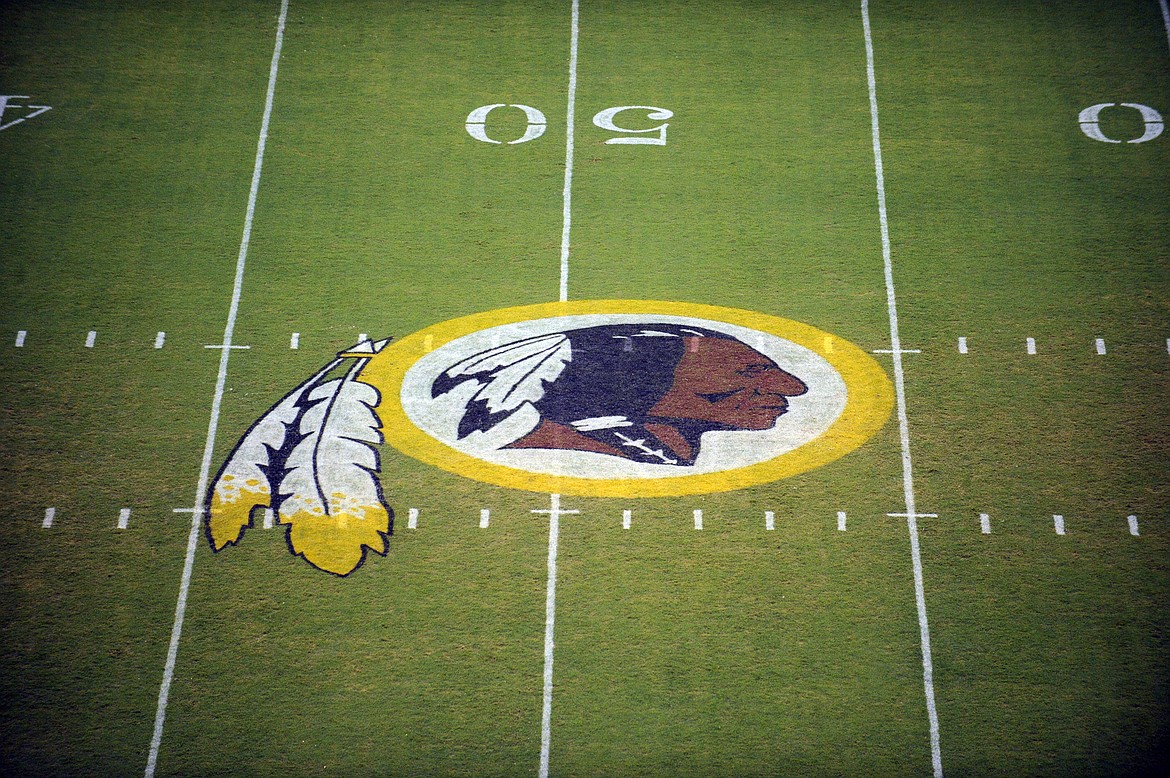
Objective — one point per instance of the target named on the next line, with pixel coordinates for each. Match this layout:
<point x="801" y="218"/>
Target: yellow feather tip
<point x="228" y="518"/>
<point x="334" y="543"/>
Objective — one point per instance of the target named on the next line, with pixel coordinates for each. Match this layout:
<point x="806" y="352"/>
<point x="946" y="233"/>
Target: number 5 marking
<point x="477" y="121"/>
<point x="604" y="120"/>
<point x="1089" y="126"/>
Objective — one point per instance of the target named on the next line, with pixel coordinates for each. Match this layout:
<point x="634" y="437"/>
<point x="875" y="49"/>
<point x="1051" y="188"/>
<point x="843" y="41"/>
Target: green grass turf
<point x="727" y="651"/>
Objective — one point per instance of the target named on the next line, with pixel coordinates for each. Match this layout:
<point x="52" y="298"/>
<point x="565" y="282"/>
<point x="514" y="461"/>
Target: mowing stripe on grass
<point x="900" y="392"/>
<point x="217" y="399"/>
<point x="568" y="191"/>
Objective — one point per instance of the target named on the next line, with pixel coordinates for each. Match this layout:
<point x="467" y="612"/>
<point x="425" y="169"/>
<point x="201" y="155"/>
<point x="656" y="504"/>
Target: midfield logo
<point x="603" y="398"/>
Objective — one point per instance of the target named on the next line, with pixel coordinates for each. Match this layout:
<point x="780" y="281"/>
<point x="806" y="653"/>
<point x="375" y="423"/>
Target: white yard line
<point x="550" y="616"/>
<point x="554" y="512"/>
<point x="568" y="193"/>
<point x="900" y="389"/>
<point x="221" y="380"/>
<point x="1165" y="19"/>
<point x="550" y="606"/>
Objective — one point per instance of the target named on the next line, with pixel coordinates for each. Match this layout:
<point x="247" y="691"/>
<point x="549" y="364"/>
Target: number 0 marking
<point x="604" y="120"/>
<point x="477" y="123"/>
<point x="1092" y="129"/>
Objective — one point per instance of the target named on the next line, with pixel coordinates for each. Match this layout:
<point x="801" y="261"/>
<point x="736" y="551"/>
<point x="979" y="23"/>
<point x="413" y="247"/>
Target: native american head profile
<point x="643" y="392"/>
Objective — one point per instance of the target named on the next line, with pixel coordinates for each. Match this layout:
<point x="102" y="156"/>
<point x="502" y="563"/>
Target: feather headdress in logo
<point x="506" y="378"/>
<point x="312" y="458"/>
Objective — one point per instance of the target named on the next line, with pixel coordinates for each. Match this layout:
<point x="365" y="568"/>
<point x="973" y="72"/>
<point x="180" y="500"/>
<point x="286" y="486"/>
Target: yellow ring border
<point x="869" y="402"/>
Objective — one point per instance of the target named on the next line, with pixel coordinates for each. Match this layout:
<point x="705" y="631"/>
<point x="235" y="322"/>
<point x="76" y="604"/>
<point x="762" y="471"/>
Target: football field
<point x="239" y="237"/>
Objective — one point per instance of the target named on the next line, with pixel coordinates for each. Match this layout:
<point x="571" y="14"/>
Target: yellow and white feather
<point x="243" y="483"/>
<point x="330" y="494"/>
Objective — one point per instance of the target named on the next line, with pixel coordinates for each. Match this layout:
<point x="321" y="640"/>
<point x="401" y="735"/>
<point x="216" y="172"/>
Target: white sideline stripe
<point x="91" y="338"/>
<point x="568" y="191"/>
<point x="1133" y="525"/>
<point x="550" y="614"/>
<point x="221" y="381"/>
<point x="20" y="338"/>
<point x="485" y="517"/>
<point x="698" y="519"/>
<point x="1058" y="523"/>
<point x="841" y="521"/>
<point x="984" y="523"/>
<point x="1165" y="19"/>
<point x="769" y="520"/>
<point x="1030" y="345"/>
<point x="1100" y="345"/>
<point x="160" y="339"/>
<point x="51" y="512"/>
<point x="627" y="515"/>
<point x="269" y="518"/>
<point x="412" y="519"/>
<point x="900" y="389"/>
<point x="124" y="518"/>
<point x="962" y="345"/>
<point x="295" y="341"/>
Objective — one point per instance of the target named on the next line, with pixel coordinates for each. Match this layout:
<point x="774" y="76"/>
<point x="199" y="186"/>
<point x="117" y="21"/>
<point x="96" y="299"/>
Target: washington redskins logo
<point x="614" y="398"/>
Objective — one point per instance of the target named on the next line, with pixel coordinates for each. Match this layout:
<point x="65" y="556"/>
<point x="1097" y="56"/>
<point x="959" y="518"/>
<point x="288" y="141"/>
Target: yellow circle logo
<point x="627" y="398"/>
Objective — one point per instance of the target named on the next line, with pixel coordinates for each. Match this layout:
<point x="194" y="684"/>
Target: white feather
<point x="330" y="491"/>
<point x="524" y="381"/>
<point x="242" y="483"/>
<point x="507" y="354"/>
